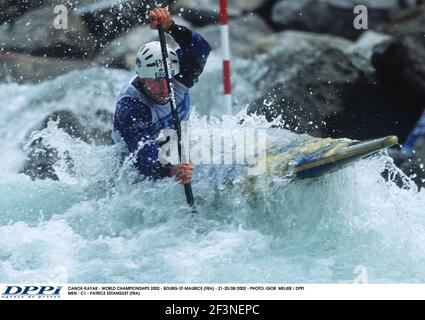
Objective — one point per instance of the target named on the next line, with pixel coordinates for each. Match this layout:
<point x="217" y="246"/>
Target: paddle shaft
<point x="187" y="187"/>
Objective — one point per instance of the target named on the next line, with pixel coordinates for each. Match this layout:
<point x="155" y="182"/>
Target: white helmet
<point x="149" y="61"/>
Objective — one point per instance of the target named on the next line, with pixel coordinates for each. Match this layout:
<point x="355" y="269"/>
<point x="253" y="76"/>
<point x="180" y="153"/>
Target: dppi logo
<point x="31" y="292"/>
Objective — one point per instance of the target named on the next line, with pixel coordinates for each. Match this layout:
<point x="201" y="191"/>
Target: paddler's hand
<point x="160" y="16"/>
<point x="182" y="172"/>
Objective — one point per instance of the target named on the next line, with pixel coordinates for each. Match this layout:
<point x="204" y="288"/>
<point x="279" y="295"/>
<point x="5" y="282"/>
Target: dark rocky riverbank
<point x="320" y="74"/>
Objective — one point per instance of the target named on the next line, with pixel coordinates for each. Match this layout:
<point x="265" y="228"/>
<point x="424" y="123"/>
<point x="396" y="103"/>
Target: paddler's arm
<point x="134" y="123"/>
<point x="193" y="53"/>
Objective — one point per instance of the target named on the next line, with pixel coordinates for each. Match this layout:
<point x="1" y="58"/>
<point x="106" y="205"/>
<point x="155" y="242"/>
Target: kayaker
<point x="143" y="107"/>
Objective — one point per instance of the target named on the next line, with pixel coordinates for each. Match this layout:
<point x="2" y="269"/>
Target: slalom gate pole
<point x="224" y="32"/>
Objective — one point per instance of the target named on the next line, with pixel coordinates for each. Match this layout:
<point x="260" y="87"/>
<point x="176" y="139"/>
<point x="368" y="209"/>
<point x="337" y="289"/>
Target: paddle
<point x="187" y="187"/>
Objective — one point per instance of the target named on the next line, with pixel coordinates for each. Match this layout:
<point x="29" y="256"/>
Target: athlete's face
<point x="157" y="89"/>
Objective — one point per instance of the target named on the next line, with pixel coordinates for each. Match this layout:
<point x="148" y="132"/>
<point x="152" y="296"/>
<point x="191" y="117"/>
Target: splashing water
<point x="98" y="223"/>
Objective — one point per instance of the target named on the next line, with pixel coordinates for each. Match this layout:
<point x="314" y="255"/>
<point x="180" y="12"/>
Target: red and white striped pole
<point x="224" y="32"/>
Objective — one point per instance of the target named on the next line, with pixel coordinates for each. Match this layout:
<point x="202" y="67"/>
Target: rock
<point x="40" y="159"/>
<point x="24" y="68"/>
<point x="244" y="32"/>
<point x="313" y="99"/>
<point x="100" y="134"/>
<point x="244" y="5"/>
<point x="414" y="165"/>
<point x="35" y="33"/>
<point x="9" y="9"/>
<point x="367" y="41"/>
<point x="400" y="62"/>
<point x="109" y="19"/>
<point x="406" y="4"/>
<point x="205" y="12"/>
<point x="364" y="107"/>
<point x="400" y="73"/>
<point x="361" y="51"/>
<point x="370" y="4"/>
<point x="260" y="45"/>
<point x="200" y="16"/>
<point x="68" y="122"/>
<point x="330" y="16"/>
<point x="121" y="52"/>
<point x="12" y="9"/>
<point x="95" y="130"/>
<point x="306" y="80"/>
<point x="410" y="21"/>
<point x="292" y="50"/>
<point x="417" y="165"/>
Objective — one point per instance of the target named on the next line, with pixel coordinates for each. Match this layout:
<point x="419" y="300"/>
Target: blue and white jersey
<point x="138" y="119"/>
